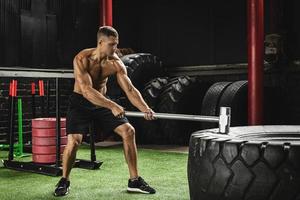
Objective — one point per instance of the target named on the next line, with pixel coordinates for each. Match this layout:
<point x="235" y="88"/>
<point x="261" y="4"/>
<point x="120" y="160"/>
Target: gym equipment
<point x="18" y="147"/>
<point x="33" y="99"/>
<point x="48" y="141"/>
<point x="47" y="132"/>
<point x="46" y="169"/>
<point x="44" y="145"/>
<point x="42" y="96"/>
<point x="223" y="119"/>
<point x="46" y="149"/>
<point x="47" y="123"/>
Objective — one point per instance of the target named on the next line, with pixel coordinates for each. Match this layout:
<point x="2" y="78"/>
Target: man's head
<point x="107" y="40"/>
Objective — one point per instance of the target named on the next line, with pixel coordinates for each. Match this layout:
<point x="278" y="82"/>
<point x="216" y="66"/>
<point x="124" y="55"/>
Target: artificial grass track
<point x="166" y="172"/>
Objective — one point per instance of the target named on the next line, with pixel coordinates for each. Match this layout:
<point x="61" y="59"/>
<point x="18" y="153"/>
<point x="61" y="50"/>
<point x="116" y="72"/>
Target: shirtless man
<point x="89" y="101"/>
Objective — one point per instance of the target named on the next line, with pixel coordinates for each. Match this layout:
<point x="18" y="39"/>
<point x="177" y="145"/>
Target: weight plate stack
<point x="44" y="140"/>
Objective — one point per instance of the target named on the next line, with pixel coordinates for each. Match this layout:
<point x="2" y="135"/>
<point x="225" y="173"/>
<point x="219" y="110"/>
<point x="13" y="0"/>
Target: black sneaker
<point x="139" y="185"/>
<point x="62" y="187"/>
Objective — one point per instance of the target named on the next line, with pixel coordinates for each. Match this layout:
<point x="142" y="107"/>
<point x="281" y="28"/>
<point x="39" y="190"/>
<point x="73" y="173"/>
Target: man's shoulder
<point x="84" y="54"/>
<point x="81" y="60"/>
<point x="114" y="57"/>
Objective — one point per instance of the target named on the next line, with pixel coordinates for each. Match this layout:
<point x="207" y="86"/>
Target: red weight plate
<point x="48" y="141"/>
<point x="47" y="122"/>
<point x="46" y="149"/>
<point x="47" y="132"/>
<point x="44" y="159"/>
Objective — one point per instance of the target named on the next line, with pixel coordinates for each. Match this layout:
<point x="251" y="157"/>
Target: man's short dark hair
<point x="107" y="31"/>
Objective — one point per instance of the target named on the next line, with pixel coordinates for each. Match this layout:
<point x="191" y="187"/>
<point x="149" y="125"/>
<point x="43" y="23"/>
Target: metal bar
<point x="175" y="116"/>
<point x="223" y="119"/>
<point x="20" y="127"/>
<point x="49" y="170"/>
<point x="57" y="163"/>
<point x="87" y="164"/>
<point x="33" y="99"/>
<point x="92" y="141"/>
<point x="48" y="96"/>
<point x="11" y="127"/>
<point x="30" y="74"/>
<point x="50" y="69"/>
<point x="9" y="115"/>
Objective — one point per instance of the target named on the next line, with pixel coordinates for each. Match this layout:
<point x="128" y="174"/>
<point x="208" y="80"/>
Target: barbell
<point x="223" y="119"/>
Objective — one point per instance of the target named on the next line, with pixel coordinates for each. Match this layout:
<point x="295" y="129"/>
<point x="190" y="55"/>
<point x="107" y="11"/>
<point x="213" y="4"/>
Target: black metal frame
<point x="51" y="170"/>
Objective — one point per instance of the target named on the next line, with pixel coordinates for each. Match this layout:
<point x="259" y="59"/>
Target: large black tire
<point x="255" y="162"/>
<point x="141" y="67"/>
<point x="184" y="96"/>
<point x="236" y="97"/>
<point x="153" y="89"/>
<point x="144" y="67"/>
<point x="140" y="124"/>
<point x="149" y="130"/>
<point x="211" y="102"/>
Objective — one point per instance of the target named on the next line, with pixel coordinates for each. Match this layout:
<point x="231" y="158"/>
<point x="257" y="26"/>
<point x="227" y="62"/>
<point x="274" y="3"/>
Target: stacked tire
<point x="226" y="94"/>
<point x="148" y="132"/>
<point x="182" y="95"/>
<point x="141" y="68"/>
<point x="235" y="96"/>
<point x="44" y="140"/>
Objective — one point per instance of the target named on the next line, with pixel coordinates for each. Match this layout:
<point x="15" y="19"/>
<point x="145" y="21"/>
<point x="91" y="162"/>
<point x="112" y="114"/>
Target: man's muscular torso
<point x="99" y="71"/>
<point x="91" y="74"/>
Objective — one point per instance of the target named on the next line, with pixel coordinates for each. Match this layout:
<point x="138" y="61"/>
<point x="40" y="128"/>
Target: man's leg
<point x="69" y="156"/>
<point x="74" y="141"/>
<point x="127" y="132"/>
<point x="135" y="183"/>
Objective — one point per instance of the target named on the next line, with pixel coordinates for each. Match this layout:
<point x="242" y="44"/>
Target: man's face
<point x="108" y="45"/>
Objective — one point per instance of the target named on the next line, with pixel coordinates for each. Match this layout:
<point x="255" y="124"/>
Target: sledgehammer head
<point x="224" y="120"/>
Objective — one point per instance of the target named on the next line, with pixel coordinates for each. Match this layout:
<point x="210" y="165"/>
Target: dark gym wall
<point x="184" y="32"/>
<point x="292" y="25"/>
<point x="201" y="32"/>
<point x="48" y="33"/>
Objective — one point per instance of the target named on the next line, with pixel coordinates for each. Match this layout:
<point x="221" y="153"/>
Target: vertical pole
<point x="42" y="95"/>
<point x="92" y="141"/>
<point x="20" y="127"/>
<point x="9" y="113"/>
<point x="57" y="164"/>
<point x="106" y="13"/>
<point x="48" y="97"/>
<point x="11" y="121"/>
<point x="255" y="61"/>
<point x="33" y="99"/>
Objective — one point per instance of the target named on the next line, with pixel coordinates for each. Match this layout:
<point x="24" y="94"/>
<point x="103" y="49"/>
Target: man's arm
<point x="84" y="81"/>
<point x="131" y="92"/>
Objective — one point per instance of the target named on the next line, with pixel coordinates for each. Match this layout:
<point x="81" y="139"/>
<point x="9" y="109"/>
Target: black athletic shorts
<point x="81" y="112"/>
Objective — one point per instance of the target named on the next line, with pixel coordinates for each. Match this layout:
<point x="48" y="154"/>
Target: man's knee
<point x="129" y="132"/>
<point x="74" y="140"/>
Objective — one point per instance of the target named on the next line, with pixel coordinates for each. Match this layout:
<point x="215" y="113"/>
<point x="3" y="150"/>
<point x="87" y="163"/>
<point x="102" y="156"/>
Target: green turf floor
<point x="166" y="172"/>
